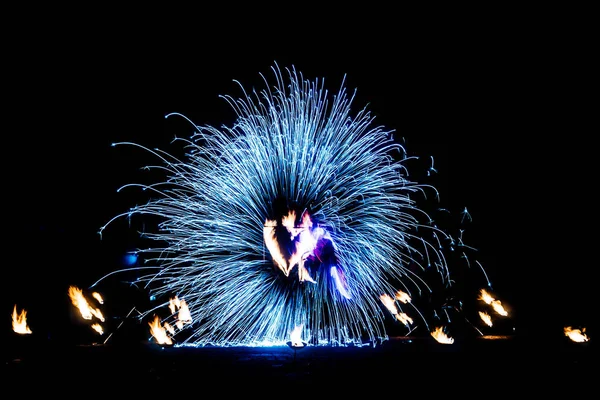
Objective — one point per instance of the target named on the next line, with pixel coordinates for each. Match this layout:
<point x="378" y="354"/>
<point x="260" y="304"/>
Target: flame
<point x="576" y="335"/>
<point x="169" y="328"/>
<point x="304" y="245"/>
<point x="403" y="297"/>
<point x="389" y="303"/>
<point x="439" y="335"/>
<point x="295" y="336"/>
<point x="486" y="318"/>
<point x="304" y="275"/>
<point x="19" y="322"/>
<point x="485" y="296"/>
<point x="174" y="304"/>
<point x="183" y="312"/>
<point x="79" y="301"/>
<point x="98" y="328"/>
<point x="98" y="298"/>
<point x="158" y="332"/>
<point x="496" y="304"/>
<point x="405" y="319"/>
<point x="289" y="221"/>
<point x="273" y="246"/>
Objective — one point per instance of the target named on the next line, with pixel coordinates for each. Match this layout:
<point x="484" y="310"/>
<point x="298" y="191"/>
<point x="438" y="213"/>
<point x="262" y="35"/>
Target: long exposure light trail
<point x="301" y="213"/>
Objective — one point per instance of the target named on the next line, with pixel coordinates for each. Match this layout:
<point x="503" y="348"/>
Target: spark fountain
<point x="300" y="214"/>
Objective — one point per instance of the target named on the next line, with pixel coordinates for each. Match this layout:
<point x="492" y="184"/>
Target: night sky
<point x="507" y="118"/>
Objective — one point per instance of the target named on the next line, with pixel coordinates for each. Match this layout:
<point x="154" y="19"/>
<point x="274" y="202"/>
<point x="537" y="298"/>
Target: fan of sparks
<point x="298" y="215"/>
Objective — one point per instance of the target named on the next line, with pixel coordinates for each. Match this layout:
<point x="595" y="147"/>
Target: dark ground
<point x="486" y="365"/>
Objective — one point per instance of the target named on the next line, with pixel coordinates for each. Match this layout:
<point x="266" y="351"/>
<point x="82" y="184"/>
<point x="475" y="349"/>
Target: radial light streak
<point x="299" y="214"/>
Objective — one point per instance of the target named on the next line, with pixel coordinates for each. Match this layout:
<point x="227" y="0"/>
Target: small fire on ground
<point x="19" y="322"/>
<point x="441" y="336"/>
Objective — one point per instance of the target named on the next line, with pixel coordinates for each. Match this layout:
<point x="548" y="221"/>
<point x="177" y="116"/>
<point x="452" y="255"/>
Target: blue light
<point x="130" y="259"/>
<point x="293" y="148"/>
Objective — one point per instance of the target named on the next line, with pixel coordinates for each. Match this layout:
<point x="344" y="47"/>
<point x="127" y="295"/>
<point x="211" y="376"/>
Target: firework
<point x="300" y="214"/>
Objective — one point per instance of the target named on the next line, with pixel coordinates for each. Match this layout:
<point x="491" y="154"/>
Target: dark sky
<point x="508" y="119"/>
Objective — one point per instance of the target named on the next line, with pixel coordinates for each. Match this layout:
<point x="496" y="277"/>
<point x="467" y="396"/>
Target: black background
<point x="507" y="112"/>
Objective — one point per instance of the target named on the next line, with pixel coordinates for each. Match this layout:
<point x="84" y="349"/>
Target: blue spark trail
<point x="293" y="153"/>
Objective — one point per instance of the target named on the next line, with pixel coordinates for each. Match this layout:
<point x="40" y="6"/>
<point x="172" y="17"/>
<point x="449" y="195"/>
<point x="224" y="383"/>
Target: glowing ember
<point x="159" y="332"/>
<point x="576" y="335"/>
<point x="98" y="328"/>
<point x="19" y="322"/>
<point x="486" y="318"/>
<point x="79" y="301"/>
<point x="295" y="338"/>
<point x="439" y="335"/>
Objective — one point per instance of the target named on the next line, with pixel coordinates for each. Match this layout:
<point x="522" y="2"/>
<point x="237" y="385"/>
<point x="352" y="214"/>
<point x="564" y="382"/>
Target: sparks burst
<point x="298" y="215"/>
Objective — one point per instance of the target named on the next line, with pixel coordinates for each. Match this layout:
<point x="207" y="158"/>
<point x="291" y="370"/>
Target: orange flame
<point x="99" y="298"/>
<point x="403" y="297"/>
<point x="405" y="319"/>
<point x="496" y="304"/>
<point x="485" y="297"/>
<point x="174" y="304"/>
<point x="499" y="308"/>
<point x="576" y="335"/>
<point x="486" y="318"/>
<point x="303" y="247"/>
<point x="98" y="328"/>
<point x="169" y="328"/>
<point x="158" y="332"/>
<point x="183" y="312"/>
<point x="389" y="303"/>
<point x="270" y="237"/>
<point x="86" y="311"/>
<point x="439" y="335"/>
<point x="19" y="322"/>
<point x="79" y="301"/>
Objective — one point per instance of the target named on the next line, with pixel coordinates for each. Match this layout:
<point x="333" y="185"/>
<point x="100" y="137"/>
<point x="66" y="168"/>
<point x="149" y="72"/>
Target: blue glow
<point x="130" y="259"/>
<point x="293" y="150"/>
